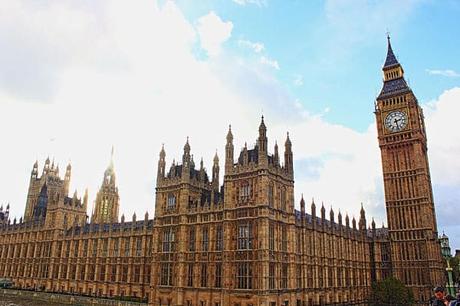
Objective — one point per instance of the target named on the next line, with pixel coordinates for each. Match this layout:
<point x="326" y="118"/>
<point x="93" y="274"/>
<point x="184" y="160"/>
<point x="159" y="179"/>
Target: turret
<point x="161" y="165"/>
<point x="229" y="150"/>
<point x="323" y="212"/>
<point x="215" y="173"/>
<point x="362" y="219"/>
<point x="34" y="173"/>
<point x="186" y="157"/>
<point x="313" y="209"/>
<point x="276" y="157"/>
<point x="46" y="167"/>
<point x="302" y="206"/>
<point x="85" y="199"/>
<point x="288" y="159"/>
<point x="187" y="162"/>
<point x="68" y="173"/>
<point x="262" y="142"/>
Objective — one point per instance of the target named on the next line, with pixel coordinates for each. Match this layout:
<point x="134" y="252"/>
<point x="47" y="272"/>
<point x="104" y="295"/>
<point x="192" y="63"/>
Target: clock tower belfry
<point x="415" y="250"/>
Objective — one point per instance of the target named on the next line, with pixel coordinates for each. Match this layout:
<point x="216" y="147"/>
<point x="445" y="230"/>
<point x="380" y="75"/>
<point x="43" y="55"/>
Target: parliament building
<point x="239" y="242"/>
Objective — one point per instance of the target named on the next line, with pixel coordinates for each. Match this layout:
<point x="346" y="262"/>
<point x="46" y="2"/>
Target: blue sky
<point x="80" y="76"/>
<point x="337" y="51"/>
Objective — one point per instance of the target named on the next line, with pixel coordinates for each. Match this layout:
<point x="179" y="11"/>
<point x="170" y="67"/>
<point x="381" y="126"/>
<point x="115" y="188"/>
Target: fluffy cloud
<point x="269" y="62"/>
<point x="257" y="47"/>
<point x="259" y="3"/>
<point x="447" y="72"/>
<point x="213" y="33"/>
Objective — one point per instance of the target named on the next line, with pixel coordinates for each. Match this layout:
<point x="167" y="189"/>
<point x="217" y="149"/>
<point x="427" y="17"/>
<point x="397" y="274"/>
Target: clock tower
<point x="415" y="250"/>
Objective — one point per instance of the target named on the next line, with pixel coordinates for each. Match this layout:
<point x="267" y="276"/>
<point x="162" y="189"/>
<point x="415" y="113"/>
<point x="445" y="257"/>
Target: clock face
<point x="396" y="121"/>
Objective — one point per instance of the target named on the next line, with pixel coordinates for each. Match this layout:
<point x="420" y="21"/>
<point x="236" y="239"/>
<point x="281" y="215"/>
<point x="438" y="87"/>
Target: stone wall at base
<point x="65" y="299"/>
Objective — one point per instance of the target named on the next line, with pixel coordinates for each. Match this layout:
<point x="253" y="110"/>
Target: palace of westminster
<point x="239" y="243"/>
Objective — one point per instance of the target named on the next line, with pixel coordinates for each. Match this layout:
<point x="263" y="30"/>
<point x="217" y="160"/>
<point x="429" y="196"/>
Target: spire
<point x="313" y="208"/>
<point x="288" y="159"/>
<point x="187" y="147"/>
<point x="111" y="158"/>
<point x="109" y="174"/>
<point x="391" y="58"/>
<point x="393" y="75"/>
<point x="186" y="155"/>
<point x="262" y="127"/>
<point x="229" y="134"/>
<point x="262" y="141"/>
<point x="276" y="157"/>
<point x="161" y="164"/>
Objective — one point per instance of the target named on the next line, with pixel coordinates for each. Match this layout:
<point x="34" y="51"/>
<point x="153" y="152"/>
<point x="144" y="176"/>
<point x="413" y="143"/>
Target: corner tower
<point x="107" y="199"/>
<point x="415" y="250"/>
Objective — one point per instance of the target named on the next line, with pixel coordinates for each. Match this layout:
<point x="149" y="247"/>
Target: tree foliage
<point x="390" y="291"/>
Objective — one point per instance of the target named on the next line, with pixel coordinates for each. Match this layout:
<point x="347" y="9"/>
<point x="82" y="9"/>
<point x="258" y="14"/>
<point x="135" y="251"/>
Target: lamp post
<point x="450" y="283"/>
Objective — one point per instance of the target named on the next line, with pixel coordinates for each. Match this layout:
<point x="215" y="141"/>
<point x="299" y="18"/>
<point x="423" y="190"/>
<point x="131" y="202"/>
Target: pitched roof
<point x="391" y="58"/>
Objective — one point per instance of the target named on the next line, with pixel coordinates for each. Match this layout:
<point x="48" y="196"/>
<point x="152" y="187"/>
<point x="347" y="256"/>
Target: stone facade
<point x="236" y="243"/>
<point x="243" y="243"/>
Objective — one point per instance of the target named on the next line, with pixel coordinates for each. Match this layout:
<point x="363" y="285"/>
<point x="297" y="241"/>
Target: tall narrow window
<point x="191" y="239"/>
<point x="105" y="247"/>
<point x="190" y="275"/>
<point x="244" y="236"/>
<point x="271" y="276"/>
<point x="166" y="278"/>
<point x="116" y="247"/>
<point x="271" y="188"/>
<point x="271" y="237"/>
<point x="127" y="246"/>
<point x="298" y="272"/>
<point x="205" y="239"/>
<point x="138" y="246"/>
<point x="219" y="238"/>
<point x="244" y="275"/>
<point x="284" y="239"/>
<point x="284" y="276"/>
<point x="218" y="280"/>
<point x="171" y="202"/>
<point x="245" y="192"/>
<point x="168" y="240"/>
<point x="204" y="275"/>
<point x="283" y="198"/>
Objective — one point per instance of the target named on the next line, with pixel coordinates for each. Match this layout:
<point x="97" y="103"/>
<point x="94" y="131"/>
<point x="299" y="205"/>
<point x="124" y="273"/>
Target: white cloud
<point x="269" y="62"/>
<point x="257" y="47"/>
<point x="446" y="72"/>
<point x="444" y="140"/>
<point x="298" y="80"/>
<point x="213" y="33"/>
<point x="259" y="3"/>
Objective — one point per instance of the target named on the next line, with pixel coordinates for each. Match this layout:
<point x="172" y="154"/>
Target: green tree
<point x="390" y="292"/>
